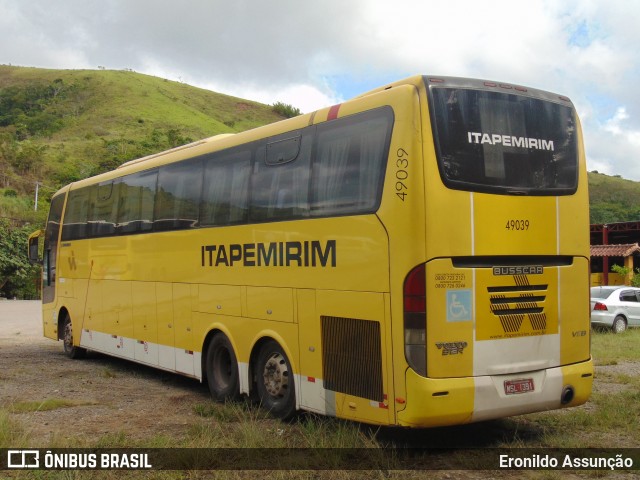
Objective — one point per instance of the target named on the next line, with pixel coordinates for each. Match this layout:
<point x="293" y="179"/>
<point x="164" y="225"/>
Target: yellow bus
<point x="416" y="256"/>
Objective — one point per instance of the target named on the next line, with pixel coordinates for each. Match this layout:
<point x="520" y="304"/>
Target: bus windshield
<point x="495" y="142"/>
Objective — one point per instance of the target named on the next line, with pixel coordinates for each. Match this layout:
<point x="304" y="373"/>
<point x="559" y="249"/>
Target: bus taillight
<point x="415" y="319"/>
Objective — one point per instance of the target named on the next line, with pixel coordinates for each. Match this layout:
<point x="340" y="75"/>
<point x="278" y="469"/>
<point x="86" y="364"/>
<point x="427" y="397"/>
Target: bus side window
<point x="280" y="180"/>
<point x="75" y="217"/>
<point x="178" y="199"/>
<point x="349" y="163"/>
<point x="102" y="212"/>
<point x="137" y="197"/>
<point x="225" y="191"/>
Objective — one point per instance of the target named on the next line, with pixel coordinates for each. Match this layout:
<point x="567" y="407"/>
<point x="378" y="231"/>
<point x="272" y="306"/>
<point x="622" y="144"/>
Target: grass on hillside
<point x="613" y="199"/>
<point x="21" y="208"/>
<point x="98" y="120"/>
<point x="119" y="102"/>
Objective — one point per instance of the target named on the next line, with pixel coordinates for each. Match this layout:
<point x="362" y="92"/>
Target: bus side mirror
<point x="34" y="247"/>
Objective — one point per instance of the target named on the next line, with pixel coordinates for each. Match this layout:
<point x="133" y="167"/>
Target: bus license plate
<point x="512" y="387"/>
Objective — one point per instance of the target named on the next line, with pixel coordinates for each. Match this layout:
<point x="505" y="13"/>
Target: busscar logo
<point x="519" y="270"/>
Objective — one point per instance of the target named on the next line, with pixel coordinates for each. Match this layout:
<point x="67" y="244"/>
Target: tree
<point x="626" y="272"/>
<point x="8" y="153"/>
<point x="286" y="110"/>
<point x="30" y="158"/>
<point x="17" y="275"/>
<point x="176" y="139"/>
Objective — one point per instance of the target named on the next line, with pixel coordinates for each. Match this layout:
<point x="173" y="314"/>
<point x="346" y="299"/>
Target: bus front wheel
<point x="274" y="381"/>
<point x="222" y="369"/>
<point x="70" y="350"/>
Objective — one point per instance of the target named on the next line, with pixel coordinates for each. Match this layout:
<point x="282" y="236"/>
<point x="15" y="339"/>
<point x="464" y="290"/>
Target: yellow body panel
<point x="531" y="233"/>
<point x="442" y="402"/>
<point x="144" y="311"/>
<point x="221" y="299"/>
<point x="50" y="322"/>
<point x="580" y="376"/>
<point x="269" y="303"/>
<point x="576" y="335"/>
<point x="450" y="328"/>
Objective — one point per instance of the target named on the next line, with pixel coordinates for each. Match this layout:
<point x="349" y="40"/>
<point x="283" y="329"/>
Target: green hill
<point x="613" y="199"/>
<point x="57" y="126"/>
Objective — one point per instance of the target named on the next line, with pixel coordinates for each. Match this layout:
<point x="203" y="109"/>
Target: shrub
<point x="286" y="110"/>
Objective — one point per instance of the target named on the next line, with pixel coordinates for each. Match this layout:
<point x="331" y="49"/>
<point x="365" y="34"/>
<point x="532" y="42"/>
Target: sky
<point x="313" y="54"/>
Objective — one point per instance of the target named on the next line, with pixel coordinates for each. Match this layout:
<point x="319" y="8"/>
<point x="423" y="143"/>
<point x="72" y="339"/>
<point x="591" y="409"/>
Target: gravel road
<point x="108" y="396"/>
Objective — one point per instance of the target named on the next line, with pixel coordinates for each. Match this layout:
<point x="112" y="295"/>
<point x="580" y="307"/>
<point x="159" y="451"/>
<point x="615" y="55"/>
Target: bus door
<point x="49" y="265"/>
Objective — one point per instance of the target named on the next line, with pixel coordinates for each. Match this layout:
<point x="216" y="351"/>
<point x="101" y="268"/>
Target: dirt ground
<point x="112" y="395"/>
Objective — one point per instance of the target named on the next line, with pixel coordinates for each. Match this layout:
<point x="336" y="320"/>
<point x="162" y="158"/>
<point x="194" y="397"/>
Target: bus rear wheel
<point x="274" y="381"/>
<point x="70" y="350"/>
<point x="222" y="369"/>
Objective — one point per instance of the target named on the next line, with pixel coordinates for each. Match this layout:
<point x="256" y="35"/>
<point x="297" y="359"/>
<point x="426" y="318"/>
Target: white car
<point x="615" y="307"/>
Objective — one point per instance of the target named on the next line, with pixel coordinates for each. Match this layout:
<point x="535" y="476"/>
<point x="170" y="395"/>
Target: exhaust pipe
<point x="567" y="395"/>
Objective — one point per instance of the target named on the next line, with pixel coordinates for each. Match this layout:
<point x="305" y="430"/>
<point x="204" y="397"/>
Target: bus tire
<point x="70" y="350"/>
<point x="275" y="381"/>
<point x="222" y="369"/>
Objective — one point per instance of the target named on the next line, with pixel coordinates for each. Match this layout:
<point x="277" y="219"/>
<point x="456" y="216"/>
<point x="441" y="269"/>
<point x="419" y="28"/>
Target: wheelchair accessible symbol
<point x="458" y="305"/>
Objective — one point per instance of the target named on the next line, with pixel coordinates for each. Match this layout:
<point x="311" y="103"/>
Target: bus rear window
<point x="496" y="142"/>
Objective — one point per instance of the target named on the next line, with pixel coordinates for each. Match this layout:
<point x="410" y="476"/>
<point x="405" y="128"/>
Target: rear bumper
<point x="437" y="402"/>
<point x="602" y="319"/>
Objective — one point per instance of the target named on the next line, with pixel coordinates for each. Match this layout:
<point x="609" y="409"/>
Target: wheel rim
<point x="276" y="375"/>
<point x="619" y="326"/>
